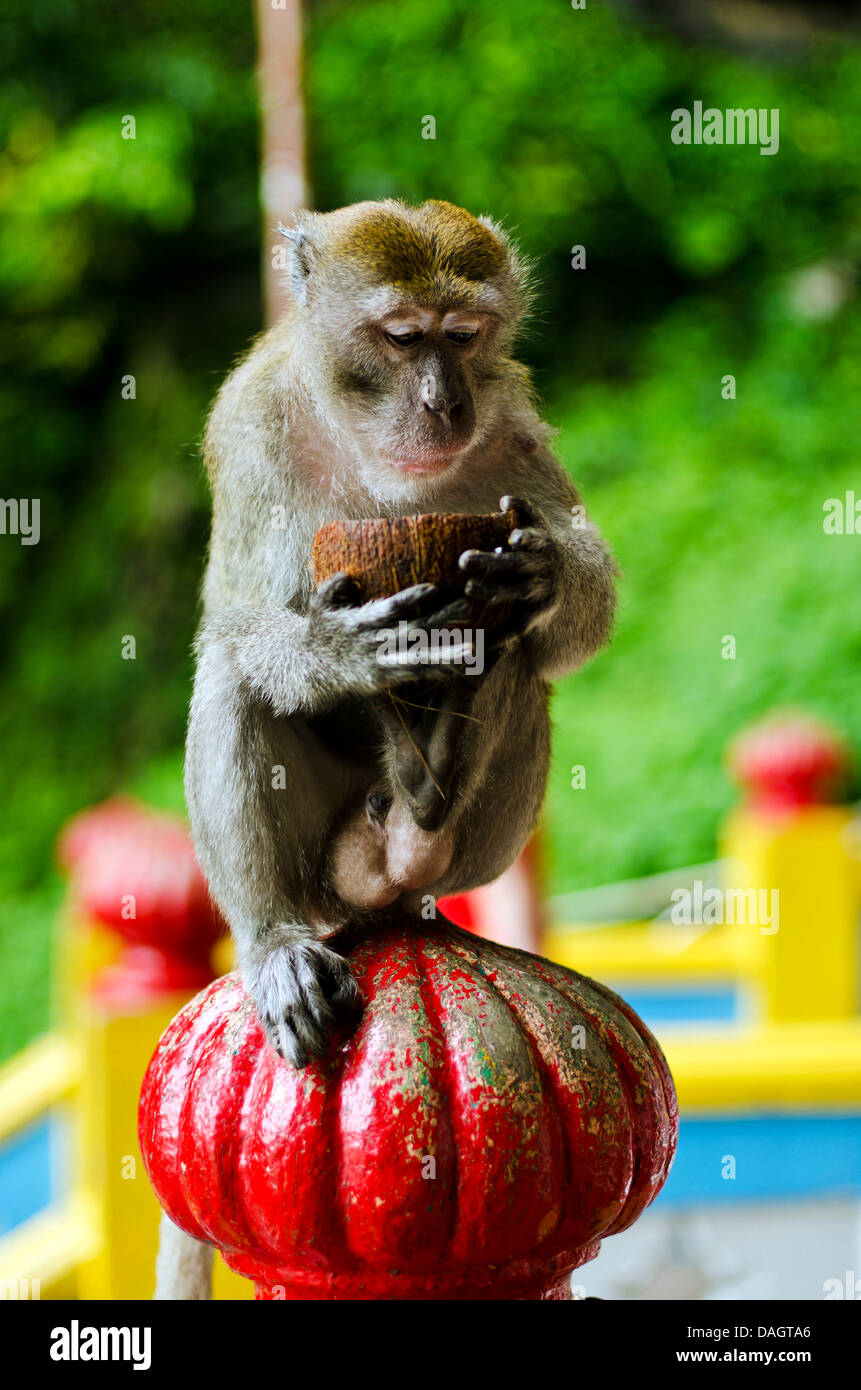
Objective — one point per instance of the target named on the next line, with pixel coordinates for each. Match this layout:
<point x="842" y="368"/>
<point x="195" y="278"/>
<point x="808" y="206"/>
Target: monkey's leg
<point x="424" y="727"/>
<point x="183" y="1267"/>
<point x="263" y="793"/>
<point x="501" y="774"/>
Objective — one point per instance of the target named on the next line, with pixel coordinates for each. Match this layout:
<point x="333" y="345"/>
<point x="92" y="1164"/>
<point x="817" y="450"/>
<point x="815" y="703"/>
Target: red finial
<point x="135" y="872"/>
<point x="788" y="760"/>
<point x="462" y="1144"/>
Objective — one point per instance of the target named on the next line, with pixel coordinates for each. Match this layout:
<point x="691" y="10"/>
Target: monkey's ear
<point x="302" y="260"/>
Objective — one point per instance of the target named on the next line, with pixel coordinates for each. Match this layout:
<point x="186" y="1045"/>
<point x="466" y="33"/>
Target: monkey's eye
<point x="379" y="805"/>
<point x="406" y="338"/>
<point x="461" y="335"/>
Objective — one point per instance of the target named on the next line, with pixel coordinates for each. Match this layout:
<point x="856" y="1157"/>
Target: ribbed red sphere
<point x="491" y="1119"/>
<point x="789" y="760"/>
<point x="134" y="870"/>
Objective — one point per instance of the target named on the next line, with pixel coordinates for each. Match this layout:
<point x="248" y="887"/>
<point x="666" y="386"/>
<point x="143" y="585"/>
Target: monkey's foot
<point x="301" y="993"/>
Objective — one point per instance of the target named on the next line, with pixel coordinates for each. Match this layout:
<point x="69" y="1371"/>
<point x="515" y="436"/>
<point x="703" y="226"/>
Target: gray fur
<point x="288" y="679"/>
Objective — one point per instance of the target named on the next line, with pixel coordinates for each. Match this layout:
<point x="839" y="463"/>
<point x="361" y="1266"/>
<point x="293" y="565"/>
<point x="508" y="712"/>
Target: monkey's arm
<point x="578" y="620"/>
<point x="305" y="663"/>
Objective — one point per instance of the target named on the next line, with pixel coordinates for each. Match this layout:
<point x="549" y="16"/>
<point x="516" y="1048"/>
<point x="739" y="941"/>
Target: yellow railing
<point x="799" y="1049"/>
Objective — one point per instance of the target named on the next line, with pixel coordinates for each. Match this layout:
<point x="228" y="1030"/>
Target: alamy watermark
<point x="842" y="515"/>
<point x="712" y="906"/>
<point x="20" y="1289"/>
<point x="438" y="646"/>
<point x="20" y="517"/>
<point x="84" y="1343"/>
<point x="734" y="126"/>
<point x="849" y="1287"/>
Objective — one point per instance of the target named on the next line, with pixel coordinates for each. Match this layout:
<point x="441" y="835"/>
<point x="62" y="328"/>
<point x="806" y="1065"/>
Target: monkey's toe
<point x="302" y="993"/>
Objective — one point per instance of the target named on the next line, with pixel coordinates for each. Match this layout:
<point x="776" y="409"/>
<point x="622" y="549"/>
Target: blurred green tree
<point x="140" y="257"/>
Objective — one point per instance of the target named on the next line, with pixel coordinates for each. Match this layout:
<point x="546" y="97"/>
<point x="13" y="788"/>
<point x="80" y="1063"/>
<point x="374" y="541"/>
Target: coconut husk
<point x="385" y="555"/>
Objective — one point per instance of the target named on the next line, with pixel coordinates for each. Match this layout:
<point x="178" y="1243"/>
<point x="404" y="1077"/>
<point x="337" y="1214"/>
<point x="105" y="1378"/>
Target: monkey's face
<point x="408" y="313"/>
<point x="410" y="382"/>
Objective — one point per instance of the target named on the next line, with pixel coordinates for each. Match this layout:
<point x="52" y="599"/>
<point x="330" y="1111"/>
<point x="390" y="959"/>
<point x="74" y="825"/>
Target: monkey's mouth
<point x="426" y="462"/>
<point x="422" y="465"/>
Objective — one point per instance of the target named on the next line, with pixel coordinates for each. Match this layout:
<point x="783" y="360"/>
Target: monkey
<point x="387" y="388"/>
<point x="327" y="787"/>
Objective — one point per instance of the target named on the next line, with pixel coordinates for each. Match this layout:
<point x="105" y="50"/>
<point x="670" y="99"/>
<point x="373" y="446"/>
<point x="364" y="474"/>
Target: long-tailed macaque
<point x="387" y="389"/>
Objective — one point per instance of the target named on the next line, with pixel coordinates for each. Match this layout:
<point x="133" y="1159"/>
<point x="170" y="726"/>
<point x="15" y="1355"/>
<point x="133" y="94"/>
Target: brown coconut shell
<point x="385" y="555"/>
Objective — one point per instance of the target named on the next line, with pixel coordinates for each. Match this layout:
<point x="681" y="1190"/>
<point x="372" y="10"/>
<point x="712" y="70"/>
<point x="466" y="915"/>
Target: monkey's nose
<point x="442" y="405"/>
<point x="437" y="402"/>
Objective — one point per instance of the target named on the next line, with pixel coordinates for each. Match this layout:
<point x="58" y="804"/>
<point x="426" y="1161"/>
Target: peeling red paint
<point x="320" y="1182"/>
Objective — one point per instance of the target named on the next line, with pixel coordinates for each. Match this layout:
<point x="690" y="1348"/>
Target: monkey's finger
<point x="338" y="592"/>
<point x="530" y="538"/>
<point x="284" y="1039"/>
<point x="521" y="568"/>
<point x="338" y="984"/>
<point x="527" y="515"/>
<point x="458" y="654"/>
<point x="418" y="599"/>
<point x="514" y="590"/>
<point x="484" y="562"/>
<point x="463" y="654"/>
<point x="445" y="617"/>
<point x="310" y="1034"/>
<point x="492" y="593"/>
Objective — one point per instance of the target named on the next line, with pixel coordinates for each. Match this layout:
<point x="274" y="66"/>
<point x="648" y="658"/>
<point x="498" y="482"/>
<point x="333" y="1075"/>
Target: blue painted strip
<point x="27" y="1166"/>
<point x="775" y="1156"/>
<point x="700" y="1004"/>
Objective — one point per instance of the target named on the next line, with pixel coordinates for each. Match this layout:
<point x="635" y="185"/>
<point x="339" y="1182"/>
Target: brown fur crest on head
<point x="435" y="254"/>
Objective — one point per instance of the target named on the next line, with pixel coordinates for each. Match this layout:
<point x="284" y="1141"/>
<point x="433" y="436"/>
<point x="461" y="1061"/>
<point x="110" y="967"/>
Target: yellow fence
<point x="800" y="1048"/>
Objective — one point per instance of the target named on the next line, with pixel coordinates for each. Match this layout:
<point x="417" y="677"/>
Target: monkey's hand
<point x="301" y="992"/>
<point x="524" y="578"/>
<point x="365" y="639"/>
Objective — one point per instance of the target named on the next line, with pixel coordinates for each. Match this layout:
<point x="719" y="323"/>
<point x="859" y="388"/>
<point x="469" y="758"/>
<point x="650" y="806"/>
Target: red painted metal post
<point x="133" y="872"/>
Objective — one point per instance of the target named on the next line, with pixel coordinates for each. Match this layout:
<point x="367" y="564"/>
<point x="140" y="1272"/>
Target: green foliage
<point x="117" y="257"/>
<point x="715" y="509"/>
<point x="140" y="257"/>
<point x="557" y="122"/>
